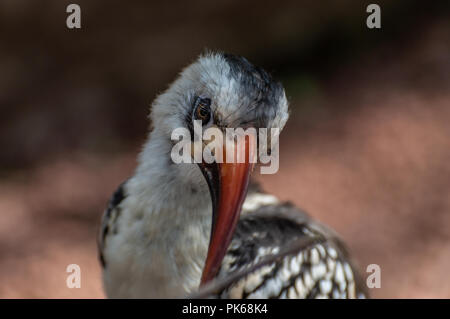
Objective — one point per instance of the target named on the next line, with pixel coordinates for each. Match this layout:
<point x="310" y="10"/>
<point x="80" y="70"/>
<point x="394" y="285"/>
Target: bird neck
<point x="169" y="185"/>
<point x="177" y="213"/>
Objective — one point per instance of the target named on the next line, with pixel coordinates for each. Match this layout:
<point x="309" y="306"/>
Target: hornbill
<point x="204" y="230"/>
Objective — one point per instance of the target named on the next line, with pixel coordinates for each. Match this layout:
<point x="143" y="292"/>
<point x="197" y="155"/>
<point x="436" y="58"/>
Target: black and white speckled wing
<point x="279" y="252"/>
<point x="109" y="218"/>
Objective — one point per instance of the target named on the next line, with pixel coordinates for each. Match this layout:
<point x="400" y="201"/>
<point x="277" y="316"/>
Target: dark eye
<point x="202" y="110"/>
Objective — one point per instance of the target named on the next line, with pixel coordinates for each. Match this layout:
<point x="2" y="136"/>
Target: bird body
<point x="172" y="228"/>
<point x="280" y="252"/>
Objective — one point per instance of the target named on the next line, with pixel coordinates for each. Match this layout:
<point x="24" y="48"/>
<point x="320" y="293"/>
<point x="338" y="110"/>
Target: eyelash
<point x="202" y="105"/>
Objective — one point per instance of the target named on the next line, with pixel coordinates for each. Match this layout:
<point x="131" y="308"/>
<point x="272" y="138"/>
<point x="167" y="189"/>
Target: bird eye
<point x="202" y="110"/>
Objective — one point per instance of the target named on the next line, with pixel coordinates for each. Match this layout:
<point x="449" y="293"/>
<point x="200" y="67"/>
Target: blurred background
<point x="366" y="150"/>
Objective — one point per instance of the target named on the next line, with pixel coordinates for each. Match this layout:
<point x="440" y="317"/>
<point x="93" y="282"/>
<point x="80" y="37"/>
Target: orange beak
<point x="228" y="184"/>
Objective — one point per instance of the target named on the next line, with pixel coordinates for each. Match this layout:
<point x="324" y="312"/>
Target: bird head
<point x="222" y="91"/>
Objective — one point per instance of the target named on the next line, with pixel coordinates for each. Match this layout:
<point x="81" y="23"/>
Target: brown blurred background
<point x="367" y="148"/>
